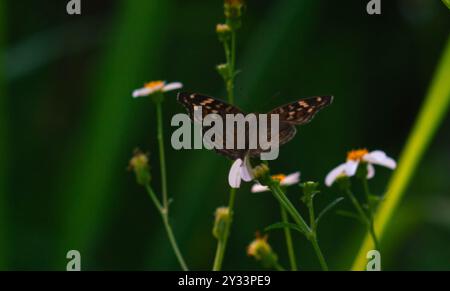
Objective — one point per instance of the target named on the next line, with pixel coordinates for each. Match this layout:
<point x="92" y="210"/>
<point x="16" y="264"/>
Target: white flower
<point x="288" y="180"/>
<point x="156" y="86"/>
<point x="240" y="170"/>
<point x="354" y="158"/>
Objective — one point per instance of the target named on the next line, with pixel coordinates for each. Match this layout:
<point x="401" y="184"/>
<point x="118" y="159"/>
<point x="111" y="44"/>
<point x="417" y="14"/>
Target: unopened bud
<point x="222" y="219"/>
<point x="261" y="251"/>
<point x="139" y="164"/>
<point x="223" y="31"/>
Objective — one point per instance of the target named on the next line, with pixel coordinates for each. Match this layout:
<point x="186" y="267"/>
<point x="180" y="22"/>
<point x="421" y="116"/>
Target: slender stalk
<point x="162" y="156"/>
<point x="230" y="54"/>
<point x="319" y="254"/>
<point x="165" y="218"/>
<point x="289" y="244"/>
<point x="371" y="213"/>
<point x="368" y="221"/>
<point x="431" y="116"/>
<point x="222" y="244"/>
<point x="310" y="235"/>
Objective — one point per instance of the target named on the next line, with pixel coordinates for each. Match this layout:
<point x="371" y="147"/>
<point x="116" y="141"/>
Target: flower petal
<point x="291" y="179"/>
<point x="334" y="174"/>
<point x="370" y="171"/>
<point x="172" y="86"/>
<point x="142" y="92"/>
<point x="351" y="167"/>
<point x="234" y="176"/>
<point x="246" y="170"/>
<point x="380" y="158"/>
<point x="257" y="188"/>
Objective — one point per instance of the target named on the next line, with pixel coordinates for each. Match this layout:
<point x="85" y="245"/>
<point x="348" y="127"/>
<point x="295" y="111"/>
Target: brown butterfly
<point x="290" y="115"/>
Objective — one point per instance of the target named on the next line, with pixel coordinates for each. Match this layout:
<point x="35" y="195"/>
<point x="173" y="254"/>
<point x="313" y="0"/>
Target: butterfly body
<point x="290" y="115"/>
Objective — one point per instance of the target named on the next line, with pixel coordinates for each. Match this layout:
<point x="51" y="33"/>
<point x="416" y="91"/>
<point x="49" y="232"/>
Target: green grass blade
<point x="433" y="112"/>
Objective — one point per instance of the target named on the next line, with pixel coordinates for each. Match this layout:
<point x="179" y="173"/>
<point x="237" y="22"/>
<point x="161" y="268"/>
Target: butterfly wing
<point x="295" y="113"/>
<point x="215" y="106"/>
<point x="301" y="111"/>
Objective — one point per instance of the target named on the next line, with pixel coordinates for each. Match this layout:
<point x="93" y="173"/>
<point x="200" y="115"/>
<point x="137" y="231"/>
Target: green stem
<point x="319" y="254"/>
<point x="165" y="217"/>
<point x="230" y="54"/>
<point x="368" y="221"/>
<point x="289" y="244"/>
<point x="222" y="244"/>
<point x="310" y="235"/>
<point x="162" y="156"/>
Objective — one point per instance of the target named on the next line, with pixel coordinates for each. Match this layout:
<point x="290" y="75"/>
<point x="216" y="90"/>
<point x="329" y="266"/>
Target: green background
<point x="68" y="126"/>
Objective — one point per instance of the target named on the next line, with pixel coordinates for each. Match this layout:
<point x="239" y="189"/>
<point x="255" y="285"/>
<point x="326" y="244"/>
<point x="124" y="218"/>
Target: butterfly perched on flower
<point x="290" y="115"/>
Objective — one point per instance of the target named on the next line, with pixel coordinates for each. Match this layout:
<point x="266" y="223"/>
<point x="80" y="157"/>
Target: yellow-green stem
<point x="289" y="244"/>
<point x="165" y="217"/>
<point x="433" y="111"/>
<point x="162" y="156"/>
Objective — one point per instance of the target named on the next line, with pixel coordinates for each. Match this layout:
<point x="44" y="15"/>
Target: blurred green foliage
<point x="68" y="126"/>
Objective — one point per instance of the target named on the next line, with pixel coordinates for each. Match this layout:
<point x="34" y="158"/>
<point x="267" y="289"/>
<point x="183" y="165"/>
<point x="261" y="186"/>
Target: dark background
<point x="69" y="126"/>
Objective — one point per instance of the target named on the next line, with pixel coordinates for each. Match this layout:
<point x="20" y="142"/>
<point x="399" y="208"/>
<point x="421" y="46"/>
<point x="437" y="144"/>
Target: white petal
<point x="370" y="171"/>
<point x="380" y="158"/>
<point x="351" y="167"/>
<point x="259" y="188"/>
<point x="246" y="170"/>
<point x="334" y="174"/>
<point x="291" y="179"/>
<point x="234" y="176"/>
<point x="142" y="92"/>
<point x="172" y="86"/>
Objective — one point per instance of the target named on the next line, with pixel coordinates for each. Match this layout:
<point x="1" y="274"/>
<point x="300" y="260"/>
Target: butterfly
<point x="290" y="115"/>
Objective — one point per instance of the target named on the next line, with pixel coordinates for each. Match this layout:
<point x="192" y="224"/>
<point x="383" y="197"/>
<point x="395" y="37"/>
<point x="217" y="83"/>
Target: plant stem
<point x="310" y="235"/>
<point x="165" y="218"/>
<point x="162" y="156"/>
<point x="222" y="244"/>
<point x="368" y="221"/>
<point x="230" y="54"/>
<point x="289" y="245"/>
<point x="319" y="254"/>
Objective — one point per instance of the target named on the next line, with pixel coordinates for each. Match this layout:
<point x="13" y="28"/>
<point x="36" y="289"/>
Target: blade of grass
<point x="433" y="111"/>
<point x="3" y="144"/>
<point x="134" y="44"/>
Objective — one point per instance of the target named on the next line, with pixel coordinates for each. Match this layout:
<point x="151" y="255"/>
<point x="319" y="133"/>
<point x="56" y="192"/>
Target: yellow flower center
<point x="154" y="85"/>
<point x="280" y="177"/>
<point x="357" y="155"/>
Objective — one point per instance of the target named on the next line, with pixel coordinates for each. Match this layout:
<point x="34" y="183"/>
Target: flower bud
<point x="224" y="71"/>
<point x="222" y="219"/>
<point x="223" y="31"/>
<point x="233" y="12"/>
<point x="262" y="173"/>
<point x="233" y="8"/>
<point x="261" y="251"/>
<point x="139" y="164"/>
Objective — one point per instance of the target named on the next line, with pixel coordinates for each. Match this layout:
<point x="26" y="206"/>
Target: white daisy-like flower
<point x="284" y="180"/>
<point x="240" y="170"/>
<point x="156" y="86"/>
<point x="355" y="157"/>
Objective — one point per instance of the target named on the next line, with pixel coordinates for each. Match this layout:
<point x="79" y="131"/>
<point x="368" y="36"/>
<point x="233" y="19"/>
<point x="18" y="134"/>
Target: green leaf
<point x="280" y="225"/>
<point x="349" y="214"/>
<point x="328" y="208"/>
